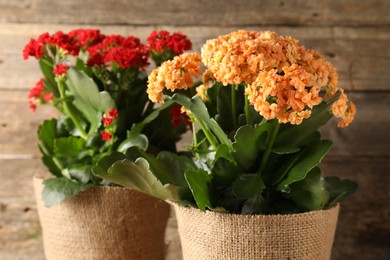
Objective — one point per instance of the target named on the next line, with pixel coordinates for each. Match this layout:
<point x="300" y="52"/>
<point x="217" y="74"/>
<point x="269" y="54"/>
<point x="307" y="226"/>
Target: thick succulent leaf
<point x="225" y="172"/>
<point x="71" y="147"/>
<point x="199" y="182"/>
<point x="85" y="89"/>
<point x="46" y="65"/>
<point x="87" y="98"/>
<point x="248" y="186"/>
<point x="310" y="193"/>
<point x="47" y="133"/>
<point x="299" y="135"/>
<point x="308" y="159"/>
<point x="249" y="141"/>
<point x="199" y="110"/>
<point x="177" y="166"/>
<point x="255" y="205"/>
<point x="79" y="172"/>
<point x="137" y="128"/>
<point x="102" y="166"/>
<point x="138" y="176"/>
<point x="57" y="189"/>
<point x="133" y="139"/>
<point x="339" y="189"/>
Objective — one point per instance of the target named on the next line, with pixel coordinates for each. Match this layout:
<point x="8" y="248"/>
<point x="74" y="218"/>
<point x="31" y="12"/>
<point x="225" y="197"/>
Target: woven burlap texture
<point x="216" y="236"/>
<point x="104" y="223"/>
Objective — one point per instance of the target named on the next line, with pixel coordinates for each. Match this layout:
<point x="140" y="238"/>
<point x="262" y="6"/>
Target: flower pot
<point x="210" y="235"/>
<point x="103" y="223"/>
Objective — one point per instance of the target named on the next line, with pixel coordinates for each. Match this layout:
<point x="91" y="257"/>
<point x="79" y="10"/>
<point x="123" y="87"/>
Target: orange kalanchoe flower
<point x="178" y="73"/>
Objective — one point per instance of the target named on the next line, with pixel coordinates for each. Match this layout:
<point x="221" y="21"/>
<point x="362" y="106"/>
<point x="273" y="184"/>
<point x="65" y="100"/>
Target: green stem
<point x="207" y="133"/>
<point x="234" y="105"/>
<point x="69" y="112"/>
<point x="270" y="143"/>
<point x="248" y="114"/>
<point x="194" y="137"/>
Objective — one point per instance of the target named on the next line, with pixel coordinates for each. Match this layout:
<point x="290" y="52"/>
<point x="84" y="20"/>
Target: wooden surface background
<point x="353" y="35"/>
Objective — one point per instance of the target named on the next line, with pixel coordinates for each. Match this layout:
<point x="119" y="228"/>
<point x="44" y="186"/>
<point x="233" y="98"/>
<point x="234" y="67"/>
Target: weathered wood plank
<point x="361" y="55"/>
<point x="363" y="230"/>
<point x="203" y="12"/>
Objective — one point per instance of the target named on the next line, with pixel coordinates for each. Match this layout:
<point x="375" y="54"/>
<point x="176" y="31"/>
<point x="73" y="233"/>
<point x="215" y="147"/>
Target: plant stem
<point x="248" y="115"/>
<point x="207" y="133"/>
<point x="234" y="105"/>
<point x="270" y="142"/>
<point x="69" y="112"/>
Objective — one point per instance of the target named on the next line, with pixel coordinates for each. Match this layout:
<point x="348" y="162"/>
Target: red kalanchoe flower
<point x="124" y="51"/>
<point x="86" y="37"/>
<point x="162" y="41"/>
<point x="178" y="117"/>
<point x="107" y="120"/>
<point x="38" y="94"/>
<point x="35" y="47"/>
<point x="106" y="136"/>
<point x="60" y="69"/>
<point x="113" y="113"/>
<point x="65" y="42"/>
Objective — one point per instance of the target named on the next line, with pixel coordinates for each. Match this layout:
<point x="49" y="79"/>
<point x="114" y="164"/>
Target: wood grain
<point x="202" y="12"/>
<point x="353" y="35"/>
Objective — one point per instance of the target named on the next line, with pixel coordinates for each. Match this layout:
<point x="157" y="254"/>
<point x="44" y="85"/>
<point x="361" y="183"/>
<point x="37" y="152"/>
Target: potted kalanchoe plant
<point x="252" y="188"/>
<point x="98" y="85"/>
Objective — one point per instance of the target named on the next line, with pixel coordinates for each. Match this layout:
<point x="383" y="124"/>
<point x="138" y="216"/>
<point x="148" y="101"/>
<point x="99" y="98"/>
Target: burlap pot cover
<point x="209" y="235"/>
<point x="103" y="223"/>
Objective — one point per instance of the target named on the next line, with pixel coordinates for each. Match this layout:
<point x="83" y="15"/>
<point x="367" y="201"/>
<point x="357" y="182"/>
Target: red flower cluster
<point x="38" y="94"/>
<point x="103" y="50"/>
<point x="161" y="41"/>
<point x="179" y="117"/>
<point x="37" y="47"/>
<point x="108" y="119"/>
<point x="60" y="69"/>
<point x="124" y="51"/>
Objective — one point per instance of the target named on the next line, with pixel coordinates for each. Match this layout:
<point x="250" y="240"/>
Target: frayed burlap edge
<point x="103" y="223"/>
<point x="210" y="235"/>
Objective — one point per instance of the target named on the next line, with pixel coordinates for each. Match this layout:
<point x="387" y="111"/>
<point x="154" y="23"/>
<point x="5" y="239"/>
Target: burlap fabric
<point x="104" y="223"/>
<point x="209" y="235"/>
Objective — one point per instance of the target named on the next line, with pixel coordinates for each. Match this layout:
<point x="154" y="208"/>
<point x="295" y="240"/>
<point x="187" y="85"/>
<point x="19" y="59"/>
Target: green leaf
<point x="310" y="193"/>
<point x="87" y="98"/>
<point x="225" y="173"/>
<point x="199" y="182"/>
<point x="137" y="128"/>
<point x="339" y="190"/>
<point x="223" y="151"/>
<point x="102" y="166"/>
<point x="85" y="89"/>
<point x="199" y="110"/>
<point x="47" y="133"/>
<point x="308" y="159"/>
<point x="57" y="189"/>
<point x="249" y="141"/>
<point x="287" y="149"/>
<point x="248" y="186"/>
<point x="71" y="147"/>
<point x="303" y="133"/>
<point x="47" y="65"/>
<point x="137" y="175"/>
<point x="253" y="206"/>
<point x="132" y="139"/>
<point x="78" y="172"/>
<point x="177" y="165"/>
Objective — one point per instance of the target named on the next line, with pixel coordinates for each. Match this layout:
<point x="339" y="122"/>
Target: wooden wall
<point x="354" y="35"/>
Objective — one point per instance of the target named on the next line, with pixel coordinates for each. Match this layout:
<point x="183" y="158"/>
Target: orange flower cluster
<point x="283" y="80"/>
<point x="178" y="73"/>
